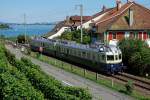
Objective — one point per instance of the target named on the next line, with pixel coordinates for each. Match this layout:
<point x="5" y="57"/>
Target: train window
<point x="71" y="51"/>
<point x="93" y="57"/>
<point x="103" y="57"/>
<point x="83" y="54"/>
<point x="67" y="51"/>
<point x="120" y="56"/>
<point x="61" y="49"/>
<point x="116" y="57"/>
<point x="110" y="57"/>
<point x="79" y="54"/>
<point x="88" y="55"/>
<point x="74" y="53"/>
<point x="99" y="57"/>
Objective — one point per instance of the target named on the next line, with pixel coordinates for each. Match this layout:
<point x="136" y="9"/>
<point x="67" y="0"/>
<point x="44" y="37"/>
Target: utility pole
<point x="25" y="27"/>
<point x="81" y="14"/>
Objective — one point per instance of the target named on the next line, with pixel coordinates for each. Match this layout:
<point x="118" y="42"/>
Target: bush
<point x="129" y="87"/>
<point x="136" y="56"/>
<point x="13" y="84"/>
<point x="76" y="36"/>
<point x="79" y="92"/>
<point x="51" y="88"/>
<point x="23" y="39"/>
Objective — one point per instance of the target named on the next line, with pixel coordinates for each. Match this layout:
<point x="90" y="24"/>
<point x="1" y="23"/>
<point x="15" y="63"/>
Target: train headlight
<point x="112" y="66"/>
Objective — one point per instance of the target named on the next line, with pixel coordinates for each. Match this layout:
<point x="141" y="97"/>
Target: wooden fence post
<point x="62" y="64"/>
<point x="112" y="82"/>
<point x="71" y="67"/>
<point x="84" y="72"/>
<point x="96" y="76"/>
<point x="55" y="63"/>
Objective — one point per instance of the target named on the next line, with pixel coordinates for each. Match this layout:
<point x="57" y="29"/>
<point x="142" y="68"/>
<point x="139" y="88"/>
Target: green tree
<point x="22" y="39"/>
<point x="4" y="26"/>
<point x="136" y="56"/>
<point x="76" y="36"/>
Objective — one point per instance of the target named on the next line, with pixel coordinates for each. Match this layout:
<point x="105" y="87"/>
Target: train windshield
<point x="120" y="56"/>
<point x="110" y="57"/>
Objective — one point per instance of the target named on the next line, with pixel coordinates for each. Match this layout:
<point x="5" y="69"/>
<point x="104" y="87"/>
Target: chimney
<point x="67" y="19"/>
<point x="128" y="1"/>
<point x="131" y="17"/>
<point x="118" y="2"/>
<point x="104" y="8"/>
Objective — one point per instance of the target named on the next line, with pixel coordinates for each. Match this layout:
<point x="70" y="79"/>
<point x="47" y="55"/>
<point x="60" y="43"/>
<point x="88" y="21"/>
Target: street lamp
<point x="81" y="14"/>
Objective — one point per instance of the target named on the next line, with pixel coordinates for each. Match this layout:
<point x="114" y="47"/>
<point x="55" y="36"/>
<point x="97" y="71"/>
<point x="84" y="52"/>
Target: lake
<point x="31" y="30"/>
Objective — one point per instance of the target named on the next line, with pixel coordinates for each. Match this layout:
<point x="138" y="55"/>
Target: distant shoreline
<point x="31" y="30"/>
<point x="4" y="26"/>
<point x="32" y="24"/>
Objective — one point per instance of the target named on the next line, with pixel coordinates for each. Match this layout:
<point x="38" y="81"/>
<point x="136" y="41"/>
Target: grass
<point x="89" y="75"/>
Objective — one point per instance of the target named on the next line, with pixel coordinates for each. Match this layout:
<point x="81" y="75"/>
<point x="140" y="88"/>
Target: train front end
<point x="114" y="60"/>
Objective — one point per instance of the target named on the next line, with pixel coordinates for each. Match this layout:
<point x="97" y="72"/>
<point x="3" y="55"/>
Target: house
<point x="68" y="23"/>
<point x="130" y="20"/>
<point x="76" y="20"/>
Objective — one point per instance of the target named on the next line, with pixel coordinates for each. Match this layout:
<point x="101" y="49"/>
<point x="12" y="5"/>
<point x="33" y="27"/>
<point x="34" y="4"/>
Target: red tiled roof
<point x="78" y="18"/>
<point x="114" y="19"/>
<point x="114" y="13"/>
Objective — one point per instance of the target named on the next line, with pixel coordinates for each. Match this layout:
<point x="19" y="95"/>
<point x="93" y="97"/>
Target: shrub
<point x="51" y="88"/>
<point x="76" y="36"/>
<point x="13" y="84"/>
<point x="129" y="87"/>
<point x="136" y="56"/>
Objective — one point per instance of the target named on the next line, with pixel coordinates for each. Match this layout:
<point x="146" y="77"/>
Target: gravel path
<point x="98" y="92"/>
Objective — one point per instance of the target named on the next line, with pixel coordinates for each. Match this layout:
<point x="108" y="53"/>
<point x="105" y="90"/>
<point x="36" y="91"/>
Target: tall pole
<point x="81" y="14"/>
<point x="25" y="27"/>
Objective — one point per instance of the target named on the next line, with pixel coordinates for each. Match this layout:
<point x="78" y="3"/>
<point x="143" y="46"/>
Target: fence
<point x="99" y="78"/>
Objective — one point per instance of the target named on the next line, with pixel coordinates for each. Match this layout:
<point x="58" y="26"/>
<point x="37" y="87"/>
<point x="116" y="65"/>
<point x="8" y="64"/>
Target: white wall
<point x="59" y="33"/>
<point x="86" y="24"/>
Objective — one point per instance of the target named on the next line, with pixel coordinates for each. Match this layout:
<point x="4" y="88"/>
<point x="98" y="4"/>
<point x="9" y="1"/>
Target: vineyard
<point x="21" y="79"/>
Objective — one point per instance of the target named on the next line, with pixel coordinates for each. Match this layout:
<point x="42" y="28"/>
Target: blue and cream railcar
<point x="104" y="58"/>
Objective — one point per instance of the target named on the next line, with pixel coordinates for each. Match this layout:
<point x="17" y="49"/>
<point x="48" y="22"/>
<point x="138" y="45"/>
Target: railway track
<point x="137" y="81"/>
<point x="143" y="84"/>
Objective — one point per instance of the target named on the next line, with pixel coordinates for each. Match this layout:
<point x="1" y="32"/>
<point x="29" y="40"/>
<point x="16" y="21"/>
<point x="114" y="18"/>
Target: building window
<point x="127" y="35"/>
<point x="114" y="36"/>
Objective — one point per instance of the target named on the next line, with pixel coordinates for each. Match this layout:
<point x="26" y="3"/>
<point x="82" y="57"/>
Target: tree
<point x="22" y="39"/>
<point x="4" y="26"/>
<point x="76" y="36"/>
<point x="2" y="36"/>
<point x="136" y="56"/>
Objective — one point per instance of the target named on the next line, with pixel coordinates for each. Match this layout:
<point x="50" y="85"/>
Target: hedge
<point x="14" y="84"/>
<point x="51" y="88"/>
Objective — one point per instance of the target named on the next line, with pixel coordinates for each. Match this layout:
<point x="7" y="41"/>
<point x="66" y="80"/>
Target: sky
<point x="12" y="11"/>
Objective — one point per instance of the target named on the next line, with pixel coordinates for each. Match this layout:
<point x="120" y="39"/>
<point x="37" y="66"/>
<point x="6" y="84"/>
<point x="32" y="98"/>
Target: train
<point x="99" y="57"/>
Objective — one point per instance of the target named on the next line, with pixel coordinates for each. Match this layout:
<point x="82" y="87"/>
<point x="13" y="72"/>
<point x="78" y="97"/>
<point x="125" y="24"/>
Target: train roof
<point x="73" y="44"/>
